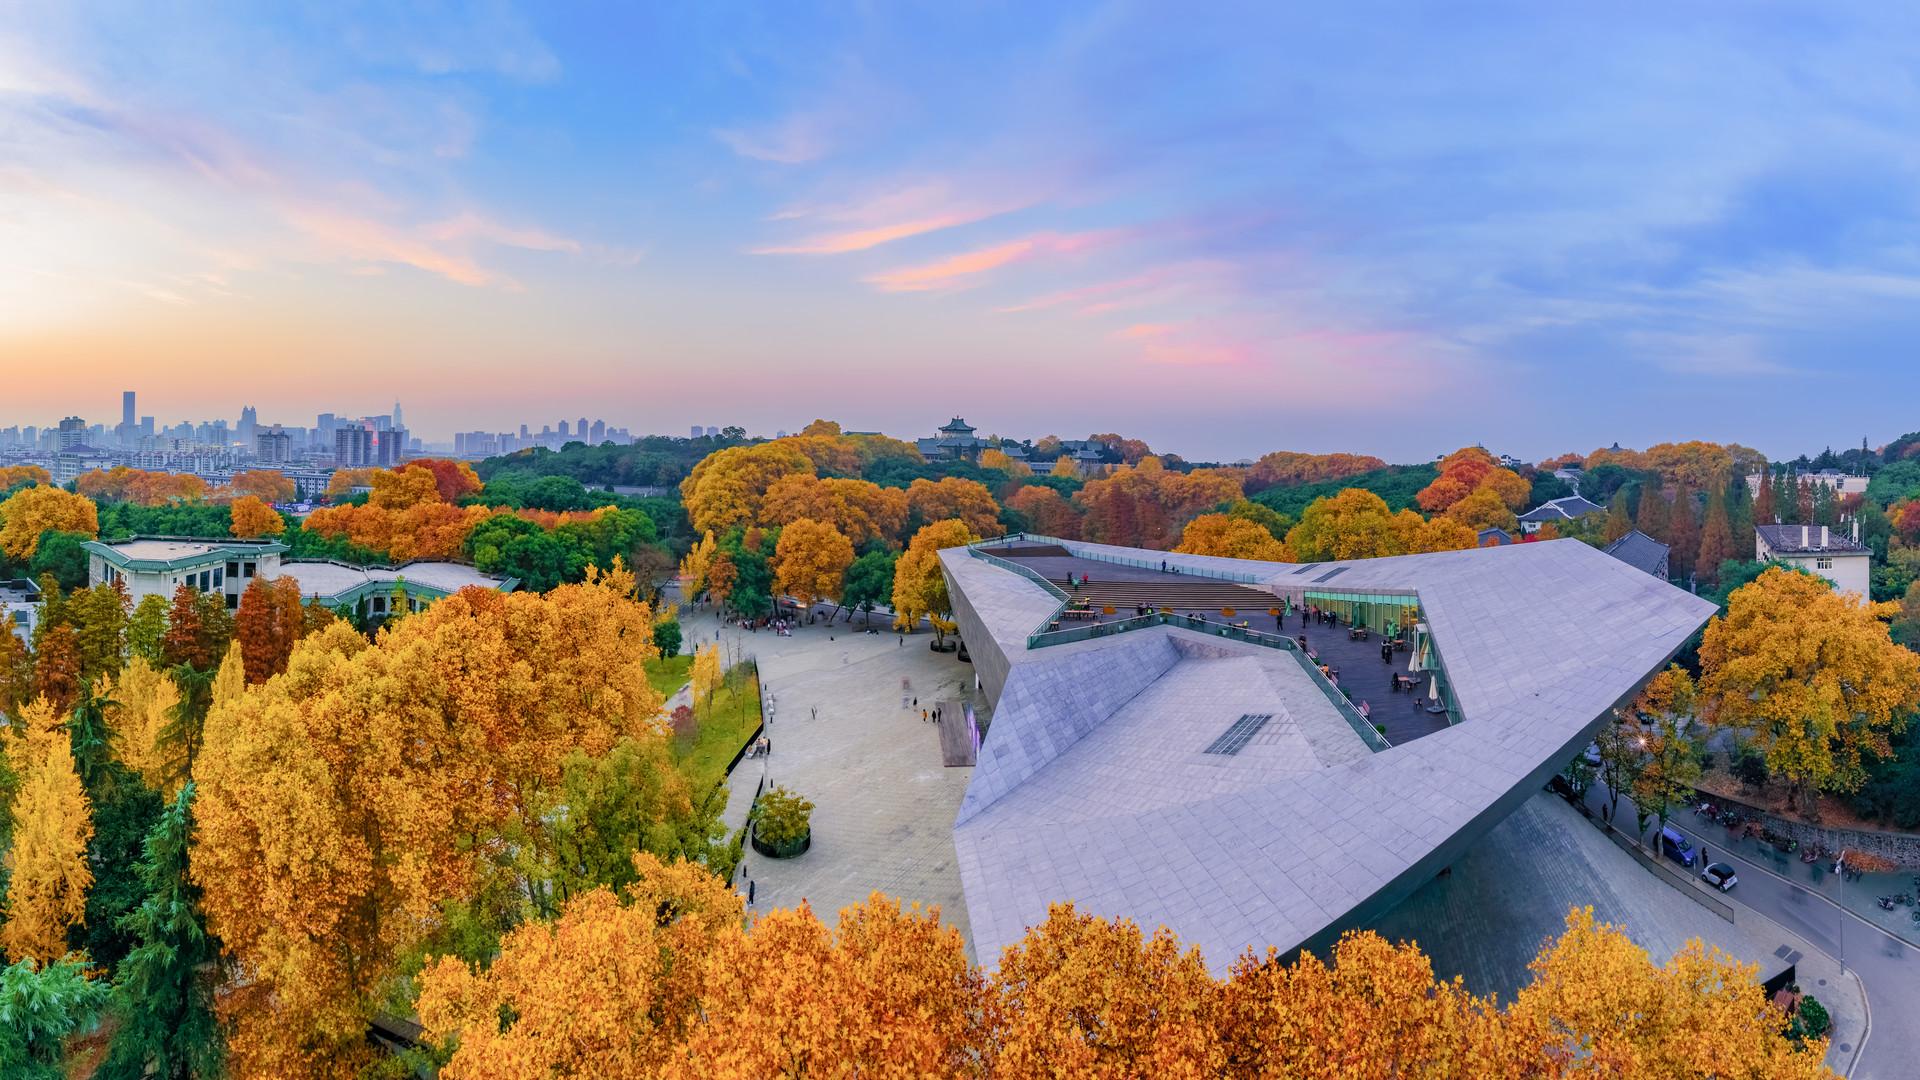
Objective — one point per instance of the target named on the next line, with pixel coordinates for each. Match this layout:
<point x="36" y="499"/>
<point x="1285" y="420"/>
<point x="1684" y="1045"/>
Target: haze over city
<point x="1222" y="230"/>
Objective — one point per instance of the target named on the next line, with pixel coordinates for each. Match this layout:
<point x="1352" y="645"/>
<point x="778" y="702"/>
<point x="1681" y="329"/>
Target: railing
<point x="1079" y="552"/>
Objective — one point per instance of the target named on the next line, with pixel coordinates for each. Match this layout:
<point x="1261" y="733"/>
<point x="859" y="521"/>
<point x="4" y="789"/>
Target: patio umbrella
<point x="1433" y="688"/>
<point x="1413" y="659"/>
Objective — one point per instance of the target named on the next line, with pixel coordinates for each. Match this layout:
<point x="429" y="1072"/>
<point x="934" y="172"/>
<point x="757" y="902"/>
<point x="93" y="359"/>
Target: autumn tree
<point x="951" y="497"/>
<point x="1683" y="534"/>
<point x="727" y="487"/>
<point x="1812" y="675"/>
<point x="1596" y="998"/>
<point x="885" y="993"/>
<point x="706" y="675"/>
<point x="99" y="619"/>
<point x="862" y="510"/>
<point x="265" y="485"/>
<point x="1047" y="511"/>
<point x="16" y="669"/>
<point x="253" y="518"/>
<point x="1356" y="524"/>
<point x="1766" y="510"/>
<point x="12" y="476"/>
<point x="1650" y="517"/>
<point x="1064" y="468"/>
<point x="56" y="665"/>
<point x="52" y="823"/>
<point x="164" y="987"/>
<point x="721" y="578"/>
<point x="1284" y="468"/>
<point x="123" y="483"/>
<point x="145" y="702"/>
<point x="1230" y="537"/>
<point x="919" y="588"/>
<point x="344" y="805"/>
<point x="1716" y="539"/>
<point x="270" y="619"/>
<point x="1145" y="505"/>
<point x="645" y="953"/>
<point x="147" y="626"/>
<point x="810" y="561"/>
<point x="1669" y="762"/>
<point x="1483" y="508"/>
<point x="694" y="566"/>
<point x="999" y="460"/>
<point x="31" y="511"/>
<point x="1084" y="996"/>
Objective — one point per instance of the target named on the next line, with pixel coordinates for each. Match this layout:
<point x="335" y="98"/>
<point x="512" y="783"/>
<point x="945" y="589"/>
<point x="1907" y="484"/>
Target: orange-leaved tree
<point x="861" y="509"/>
<point x="266" y="485"/>
<point x="1047" y="511"/>
<point x="123" y="483"/>
<point x="1285" y="467"/>
<point x="254" y="518"/>
<point x="728" y="486"/>
<point x="952" y="497"/>
<point x="1230" y="537"/>
<point x="269" y="621"/>
<point x="810" y="561"/>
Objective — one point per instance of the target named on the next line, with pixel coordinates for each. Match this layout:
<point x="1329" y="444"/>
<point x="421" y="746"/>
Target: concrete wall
<point x="990" y="663"/>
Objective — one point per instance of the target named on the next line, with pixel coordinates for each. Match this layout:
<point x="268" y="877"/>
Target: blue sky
<point x="1389" y="228"/>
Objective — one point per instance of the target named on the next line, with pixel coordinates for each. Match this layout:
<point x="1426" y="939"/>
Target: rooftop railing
<point x="1045" y="634"/>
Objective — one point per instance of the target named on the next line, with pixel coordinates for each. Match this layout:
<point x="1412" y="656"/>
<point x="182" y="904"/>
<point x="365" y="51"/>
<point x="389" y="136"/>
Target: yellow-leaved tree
<point x="919" y="588"/>
<point x="52" y="823"/>
<point x="995" y="458"/>
<point x="861" y="509"/>
<point x="144" y="700"/>
<point x="728" y="486"/>
<point x="695" y="565"/>
<point x="1230" y="537"/>
<point x="31" y="511"/>
<point x="608" y="989"/>
<point x="343" y="806"/>
<point x="706" y="674"/>
<point x="810" y="561"/>
<point x="1812" y="675"/>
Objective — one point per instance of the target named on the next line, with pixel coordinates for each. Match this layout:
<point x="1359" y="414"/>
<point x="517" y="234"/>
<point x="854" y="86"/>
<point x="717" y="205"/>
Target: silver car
<point x="1720" y="876"/>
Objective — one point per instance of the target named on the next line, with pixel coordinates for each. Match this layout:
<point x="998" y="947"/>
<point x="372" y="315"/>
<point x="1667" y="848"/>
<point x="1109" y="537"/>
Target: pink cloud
<point x="963" y="269"/>
<point x="471" y="226"/>
<point x="343" y="235"/>
<point x="840" y="243"/>
<point x="894" y="213"/>
<point x="796" y="140"/>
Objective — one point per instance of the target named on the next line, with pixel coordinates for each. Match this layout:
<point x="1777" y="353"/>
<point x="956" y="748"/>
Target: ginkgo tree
<point x="919" y="588"/>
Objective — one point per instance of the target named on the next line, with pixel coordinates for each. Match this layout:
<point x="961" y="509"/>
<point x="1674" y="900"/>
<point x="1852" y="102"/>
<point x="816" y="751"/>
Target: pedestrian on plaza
<point x="923" y="716"/>
<point x="816" y="712"/>
<point x="916" y="703"/>
<point x="749" y="890"/>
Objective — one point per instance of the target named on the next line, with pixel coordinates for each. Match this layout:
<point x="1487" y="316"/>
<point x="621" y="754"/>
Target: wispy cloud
<point x="794" y="140"/>
<point x="840" y="243"/>
<point x="958" y="271"/>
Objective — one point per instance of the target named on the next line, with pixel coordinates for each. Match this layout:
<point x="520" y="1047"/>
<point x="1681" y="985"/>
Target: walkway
<point x="1888" y="967"/>
<point x="1510" y="895"/>
<point x="883" y="802"/>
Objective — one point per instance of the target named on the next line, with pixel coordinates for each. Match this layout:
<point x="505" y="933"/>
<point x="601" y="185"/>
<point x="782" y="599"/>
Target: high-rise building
<point x="398" y="420"/>
<point x="712" y="431"/>
<point x="73" y="432"/>
<point x="599" y="432"/>
<point x="126" y="413"/>
<point x="352" y="447"/>
<point x="696" y="432"/>
<point x="389" y="447"/>
<point x="273" y="445"/>
<point x="581" y="431"/>
<point x="146" y="427"/>
<point x="523" y="433"/>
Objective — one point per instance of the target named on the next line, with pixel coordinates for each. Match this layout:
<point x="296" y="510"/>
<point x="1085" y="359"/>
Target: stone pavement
<point x="1510" y="894"/>
<point x="883" y="803"/>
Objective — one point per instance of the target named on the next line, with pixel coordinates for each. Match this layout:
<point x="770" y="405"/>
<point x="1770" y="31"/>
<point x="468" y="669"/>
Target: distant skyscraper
<point x="599" y="432"/>
<point x="712" y="431"/>
<point x="563" y="429"/>
<point x="696" y="432"/>
<point x="581" y="431"/>
<point x="523" y="433"/>
<point x="398" y="420"/>
<point x="274" y="445"/>
<point x="126" y="410"/>
<point x="73" y="432"/>
<point x="352" y="447"/>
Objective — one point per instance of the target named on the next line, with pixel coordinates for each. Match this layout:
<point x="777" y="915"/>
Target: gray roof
<point x="1640" y="551"/>
<point x="1093" y="786"/>
<point x="1495" y="533"/>
<point x="1807" y="540"/>
<point x="1563" y="509"/>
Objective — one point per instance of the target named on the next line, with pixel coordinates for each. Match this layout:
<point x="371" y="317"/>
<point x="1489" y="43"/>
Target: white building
<point x="20" y="599"/>
<point x="157" y="566"/>
<point x="1818" y="550"/>
<point x="1841" y="483"/>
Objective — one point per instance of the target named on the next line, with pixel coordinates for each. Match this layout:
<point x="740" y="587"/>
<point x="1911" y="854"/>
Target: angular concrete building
<point x="1264" y="754"/>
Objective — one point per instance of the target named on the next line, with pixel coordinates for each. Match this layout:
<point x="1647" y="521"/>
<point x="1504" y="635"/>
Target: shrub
<point x="781" y="817"/>
<point x="1811" y="1020"/>
<point x="1751" y="769"/>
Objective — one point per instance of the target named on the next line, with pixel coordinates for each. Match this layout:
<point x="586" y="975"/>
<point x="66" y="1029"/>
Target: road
<point x="1888" y="968"/>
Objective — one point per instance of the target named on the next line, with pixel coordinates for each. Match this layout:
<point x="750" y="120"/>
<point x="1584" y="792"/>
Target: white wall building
<point x="1818" y="550"/>
<point x="153" y="566"/>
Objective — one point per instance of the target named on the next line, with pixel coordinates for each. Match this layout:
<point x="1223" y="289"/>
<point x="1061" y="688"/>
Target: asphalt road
<point x="1888" y="968"/>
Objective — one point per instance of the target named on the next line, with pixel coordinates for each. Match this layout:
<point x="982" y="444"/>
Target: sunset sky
<point x="1223" y="228"/>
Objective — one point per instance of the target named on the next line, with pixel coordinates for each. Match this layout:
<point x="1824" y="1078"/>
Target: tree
<point x="1483" y="509"/>
<point x="16" y="669"/>
<point x="810" y="561"/>
<point x="252" y="517"/>
<point x="43" y="1005"/>
<point x="1683" y="534"/>
<point x="264" y="485"/>
<point x="140" y="486"/>
<point x="1621" y="760"/>
<point x="31" y="511"/>
<point x="52" y="822"/>
<point x="1813" y="675"/>
<point x="727" y="487"/>
<point x="62" y="556"/>
<point x="1048" y="512"/>
<point x="144" y="702"/>
<point x="147" y="627"/>
<point x="56" y="665"/>
<point x="187" y="640"/>
<point x="952" y="497"/>
<point x="1356" y="524"/>
<point x="1650" y="517"/>
<point x="1669" y="764"/>
<point x="643" y="951"/>
<point x="1597" y="999"/>
<point x="1284" y="468"/>
<point x="869" y="582"/>
<point x="99" y="619"/>
<point x="1716" y="539"/>
<point x="919" y="588"/>
<point x="1230" y="537"/>
<point x="694" y="566"/>
<point x="1064" y="468"/>
<point x="1765" y="507"/>
<point x="1082" y="996"/>
<point x="721" y="578"/>
<point x="706" y="675"/>
<point x="863" y="510"/>
<point x="270" y="619"/>
<point x="999" y="461"/>
<point x="163" y="989"/>
<point x="667" y="637"/>
<point x="1144" y="505"/>
<point x="1619" y="518"/>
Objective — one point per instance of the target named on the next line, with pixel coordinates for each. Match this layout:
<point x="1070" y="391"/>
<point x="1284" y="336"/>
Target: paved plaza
<point x="883" y="803"/>
<point x="1509" y="895"/>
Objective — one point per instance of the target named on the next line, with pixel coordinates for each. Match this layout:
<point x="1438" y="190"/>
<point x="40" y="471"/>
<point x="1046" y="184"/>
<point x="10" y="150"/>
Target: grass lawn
<point x="668" y="676"/>
<point x="723" y="727"/>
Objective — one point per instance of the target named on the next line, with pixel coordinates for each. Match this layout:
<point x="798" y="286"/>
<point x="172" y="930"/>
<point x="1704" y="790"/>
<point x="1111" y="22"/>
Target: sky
<point x="1224" y="228"/>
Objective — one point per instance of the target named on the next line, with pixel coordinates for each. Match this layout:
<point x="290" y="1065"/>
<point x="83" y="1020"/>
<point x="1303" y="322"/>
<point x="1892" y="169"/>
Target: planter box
<point x="788" y="851"/>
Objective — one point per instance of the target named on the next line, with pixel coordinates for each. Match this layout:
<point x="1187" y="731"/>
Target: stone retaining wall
<point x="1902" y="848"/>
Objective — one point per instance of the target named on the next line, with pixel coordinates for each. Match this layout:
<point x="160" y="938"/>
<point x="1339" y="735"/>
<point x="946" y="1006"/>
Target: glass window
<point x="219" y="577"/>
<point x="1823" y="563"/>
<point x="233" y="601"/>
<point x="247" y="569"/>
<point x="233" y="569"/>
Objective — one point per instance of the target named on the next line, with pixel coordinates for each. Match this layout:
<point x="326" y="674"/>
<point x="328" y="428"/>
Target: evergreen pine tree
<point x="163" y="990"/>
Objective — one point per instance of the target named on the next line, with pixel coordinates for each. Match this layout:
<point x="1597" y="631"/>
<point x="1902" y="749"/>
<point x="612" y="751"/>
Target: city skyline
<point x="1566" y="228"/>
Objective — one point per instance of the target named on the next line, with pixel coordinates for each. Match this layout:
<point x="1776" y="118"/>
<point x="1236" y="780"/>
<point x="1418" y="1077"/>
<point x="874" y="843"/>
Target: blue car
<point x="1676" y="847"/>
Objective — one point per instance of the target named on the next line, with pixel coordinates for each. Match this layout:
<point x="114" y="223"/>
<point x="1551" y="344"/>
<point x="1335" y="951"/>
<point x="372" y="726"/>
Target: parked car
<point x="1592" y="754"/>
<point x="1676" y="847"/>
<point x="1720" y="876"/>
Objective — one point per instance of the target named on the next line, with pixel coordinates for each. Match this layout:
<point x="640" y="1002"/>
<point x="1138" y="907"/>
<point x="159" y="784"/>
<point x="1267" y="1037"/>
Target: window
<point x="1824" y="562"/>
<point x="246" y="569"/>
<point x="219" y="577"/>
<point x="233" y="570"/>
<point x="233" y="601"/>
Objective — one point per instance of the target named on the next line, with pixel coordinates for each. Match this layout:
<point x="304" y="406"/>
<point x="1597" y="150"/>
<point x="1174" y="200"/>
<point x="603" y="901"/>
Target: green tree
<point x="869" y="582"/>
<point x="39" y="1008"/>
<point x="61" y="555"/>
<point x="147" y="627"/>
<point x="163" y="990"/>
<point x="667" y="637"/>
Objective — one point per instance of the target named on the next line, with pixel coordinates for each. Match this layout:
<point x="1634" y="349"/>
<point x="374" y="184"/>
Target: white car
<point x="1720" y="876"/>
